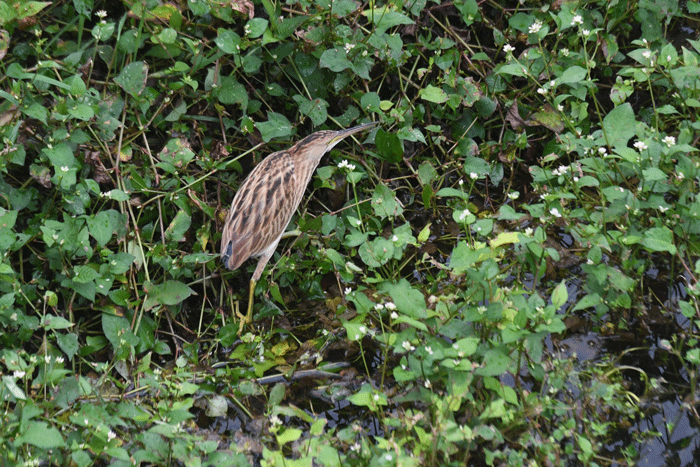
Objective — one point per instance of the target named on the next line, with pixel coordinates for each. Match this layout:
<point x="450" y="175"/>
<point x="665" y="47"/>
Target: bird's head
<point x="317" y="144"/>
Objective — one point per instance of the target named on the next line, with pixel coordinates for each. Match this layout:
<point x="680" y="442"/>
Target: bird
<point x="267" y="199"/>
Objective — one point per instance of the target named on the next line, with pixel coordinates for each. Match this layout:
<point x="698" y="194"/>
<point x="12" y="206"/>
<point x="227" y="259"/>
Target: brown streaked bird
<point x="267" y="199"/>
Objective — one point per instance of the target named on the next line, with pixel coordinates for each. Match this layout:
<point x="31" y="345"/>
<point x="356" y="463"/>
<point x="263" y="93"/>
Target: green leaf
<point x="335" y="60"/>
<point x="178" y="227"/>
<point x="41" y="435"/>
<point x="315" y="109"/>
<point x="277" y="126"/>
<point x="384" y="203"/>
<point x="433" y="94"/>
<point x="659" y="239"/>
<point x="384" y="18"/>
<point x="560" y="295"/>
<point x="50" y="322"/>
<point x="132" y="78"/>
<point x="377" y="252"/>
<point x="389" y="146"/>
<point x="100" y="227"/>
<point x="408" y="300"/>
<point x="168" y="293"/>
<point x="256" y="26"/>
<point x="572" y="74"/>
<point x="619" y="125"/>
<point x="228" y="41"/>
<point x="84" y="274"/>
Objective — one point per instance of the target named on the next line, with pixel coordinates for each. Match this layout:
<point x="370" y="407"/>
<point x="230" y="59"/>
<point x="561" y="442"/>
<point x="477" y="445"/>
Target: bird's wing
<point x="261" y="209"/>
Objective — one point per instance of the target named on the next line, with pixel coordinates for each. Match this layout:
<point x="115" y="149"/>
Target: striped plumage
<point x="267" y="199"/>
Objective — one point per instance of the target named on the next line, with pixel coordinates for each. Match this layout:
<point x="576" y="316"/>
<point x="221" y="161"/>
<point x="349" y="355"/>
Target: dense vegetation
<point x="534" y="177"/>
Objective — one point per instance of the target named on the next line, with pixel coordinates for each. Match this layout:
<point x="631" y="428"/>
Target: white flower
<point x="428" y="384"/>
<point x="363" y="330"/>
<point x="646" y="54"/>
<point x="585" y="32"/>
<point x="464" y="214"/>
<point x="19" y="374"/>
<point x="429" y="350"/>
<point x="669" y="141"/>
<point x="348" y="291"/>
<point x="390" y="306"/>
<point x="394" y="315"/>
<point x="663" y="209"/>
<point x="349" y="47"/>
<point x="555" y="212"/>
<point x="379" y="306"/>
<point x="535" y="27"/>
<point x="508" y="48"/>
<point x="473" y="175"/>
<point x="576" y="20"/>
<point x="529" y="231"/>
<point x="461" y="182"/>
<point x="542" y="91"/>
<point x="344" y="164"/>
<point x="64" y="168"/>
<point x="565" y="52"/>
<point x="641" y="145"/>
<point x="101" y="14"/>
<point x="111" y="435"/>
<point x="560" y="171"/>
<point x="602" y="151"/>
<point x="358" y="222"/>
<point x="394" y="238"/>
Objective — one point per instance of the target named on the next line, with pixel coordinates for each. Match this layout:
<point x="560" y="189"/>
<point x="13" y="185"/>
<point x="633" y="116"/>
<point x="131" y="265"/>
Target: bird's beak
<point x="345" y="133"/>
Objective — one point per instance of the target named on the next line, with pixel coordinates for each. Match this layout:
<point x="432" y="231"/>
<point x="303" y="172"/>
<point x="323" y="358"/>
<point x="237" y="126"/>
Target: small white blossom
<point x="576" y="20"/>
<point x="111" y="435"/>
<point x="542" y="91"/>
<point x="394" y="315"/>
<point x="473" y="175"/>
<point x="641" y="145"/>
<point x="508" y="48"/>
<point x="561" y="170"/>
<point x="379" y="306"/>
<point x="646" y="54"/>
<point x="101" y="14"/>
<point x="565" y="52"/>
<point x="560" y="108"/>
<point x="394" y="238"/>
<point x="390" y="306"/>
<point x="64" y="168"/>
<point x="514" y="195"/>
<point x="349" y="47"/>
<point x="585" y="32"/>
<point x="663" y="208"/>
<point x="669" y="141"/>
<point x="429" y="350"/>
<point x="555" y="212"/>
<point x="535" y="27"/>
<point x="348" y="291"/>
<point x="602" y="151"/>
<point x="428" y="384"/>
<point x="344" y="164"/>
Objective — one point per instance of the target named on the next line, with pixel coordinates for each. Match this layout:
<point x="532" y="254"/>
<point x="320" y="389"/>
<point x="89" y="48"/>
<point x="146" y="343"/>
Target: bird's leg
<point x="264" y="258"/>
<point x="248" y="317"/>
